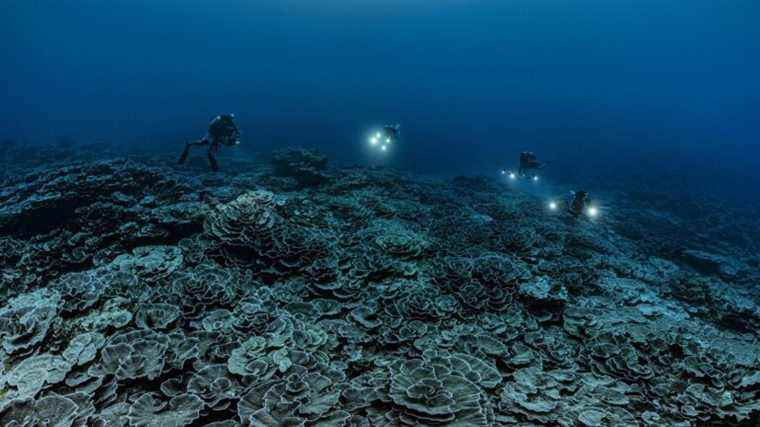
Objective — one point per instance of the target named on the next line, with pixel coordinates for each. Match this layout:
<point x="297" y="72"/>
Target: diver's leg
<point x="212" y="162"/>
<point x="183" y="156"/>
<point x="212" y="159"/>
<point x="186" y="151"/>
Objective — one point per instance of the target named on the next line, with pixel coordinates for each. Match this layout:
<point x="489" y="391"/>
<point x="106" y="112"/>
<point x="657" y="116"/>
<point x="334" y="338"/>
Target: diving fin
<point x="183" y="157"/>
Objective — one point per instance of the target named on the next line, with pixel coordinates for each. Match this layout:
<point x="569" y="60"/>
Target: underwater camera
<point x="587" y="209"/>
<point x="513" y="176"/>
<point x="379" y="141"/>
<point x="509" y="174"/>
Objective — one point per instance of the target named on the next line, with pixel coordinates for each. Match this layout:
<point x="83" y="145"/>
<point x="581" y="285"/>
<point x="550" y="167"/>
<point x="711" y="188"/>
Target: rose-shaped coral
<point x="428" y="393"/>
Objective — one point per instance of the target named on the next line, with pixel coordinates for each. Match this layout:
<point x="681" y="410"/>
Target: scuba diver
<point x="386" y="137"/>
<point x="391" y="133"/>
<point x="578" y="203"/>
<point x="221" y="131"/>
<point x="528" y="162"/>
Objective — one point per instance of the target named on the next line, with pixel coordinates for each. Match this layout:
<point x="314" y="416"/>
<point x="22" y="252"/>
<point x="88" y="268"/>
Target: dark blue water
<point x="664" y="91"/>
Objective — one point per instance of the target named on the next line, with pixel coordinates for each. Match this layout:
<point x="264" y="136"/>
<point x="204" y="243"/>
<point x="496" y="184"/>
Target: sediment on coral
<point x="138" y="295"/>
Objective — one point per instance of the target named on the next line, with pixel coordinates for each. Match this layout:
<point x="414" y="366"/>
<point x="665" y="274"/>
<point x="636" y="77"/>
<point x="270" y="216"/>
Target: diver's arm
<point x="203" y="141"/>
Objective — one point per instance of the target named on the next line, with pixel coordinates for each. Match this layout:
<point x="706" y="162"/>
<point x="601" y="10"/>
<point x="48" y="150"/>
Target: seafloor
<point x="291" y="293"/>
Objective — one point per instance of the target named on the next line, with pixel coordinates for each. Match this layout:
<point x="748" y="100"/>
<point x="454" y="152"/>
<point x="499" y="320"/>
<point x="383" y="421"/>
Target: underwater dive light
<point x="553" y="205"/>
<point x="380" y="141"/>
<point x="592" y="211"/>
<point x="512" y="175"/>
<point x="535" y="178"/>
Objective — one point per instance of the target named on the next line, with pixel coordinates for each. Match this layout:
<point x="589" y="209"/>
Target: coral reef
<point x="139" y="295"/>
<point x="306" y="167"/>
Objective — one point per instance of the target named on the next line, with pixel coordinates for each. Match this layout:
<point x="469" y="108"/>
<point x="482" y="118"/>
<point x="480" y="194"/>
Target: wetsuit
<point x="528" y="161"/>
<point x="390" y="133"/>
<point x="221" y="131"/>
<point x="578" y="202"/>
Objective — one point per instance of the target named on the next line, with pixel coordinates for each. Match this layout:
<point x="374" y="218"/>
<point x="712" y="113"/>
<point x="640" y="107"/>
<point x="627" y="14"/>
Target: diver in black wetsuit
<point x="221" y="131"/>
<point x="578" y="202"/>
<point x="528" y="162"/>
<point x="391" y="133"/>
